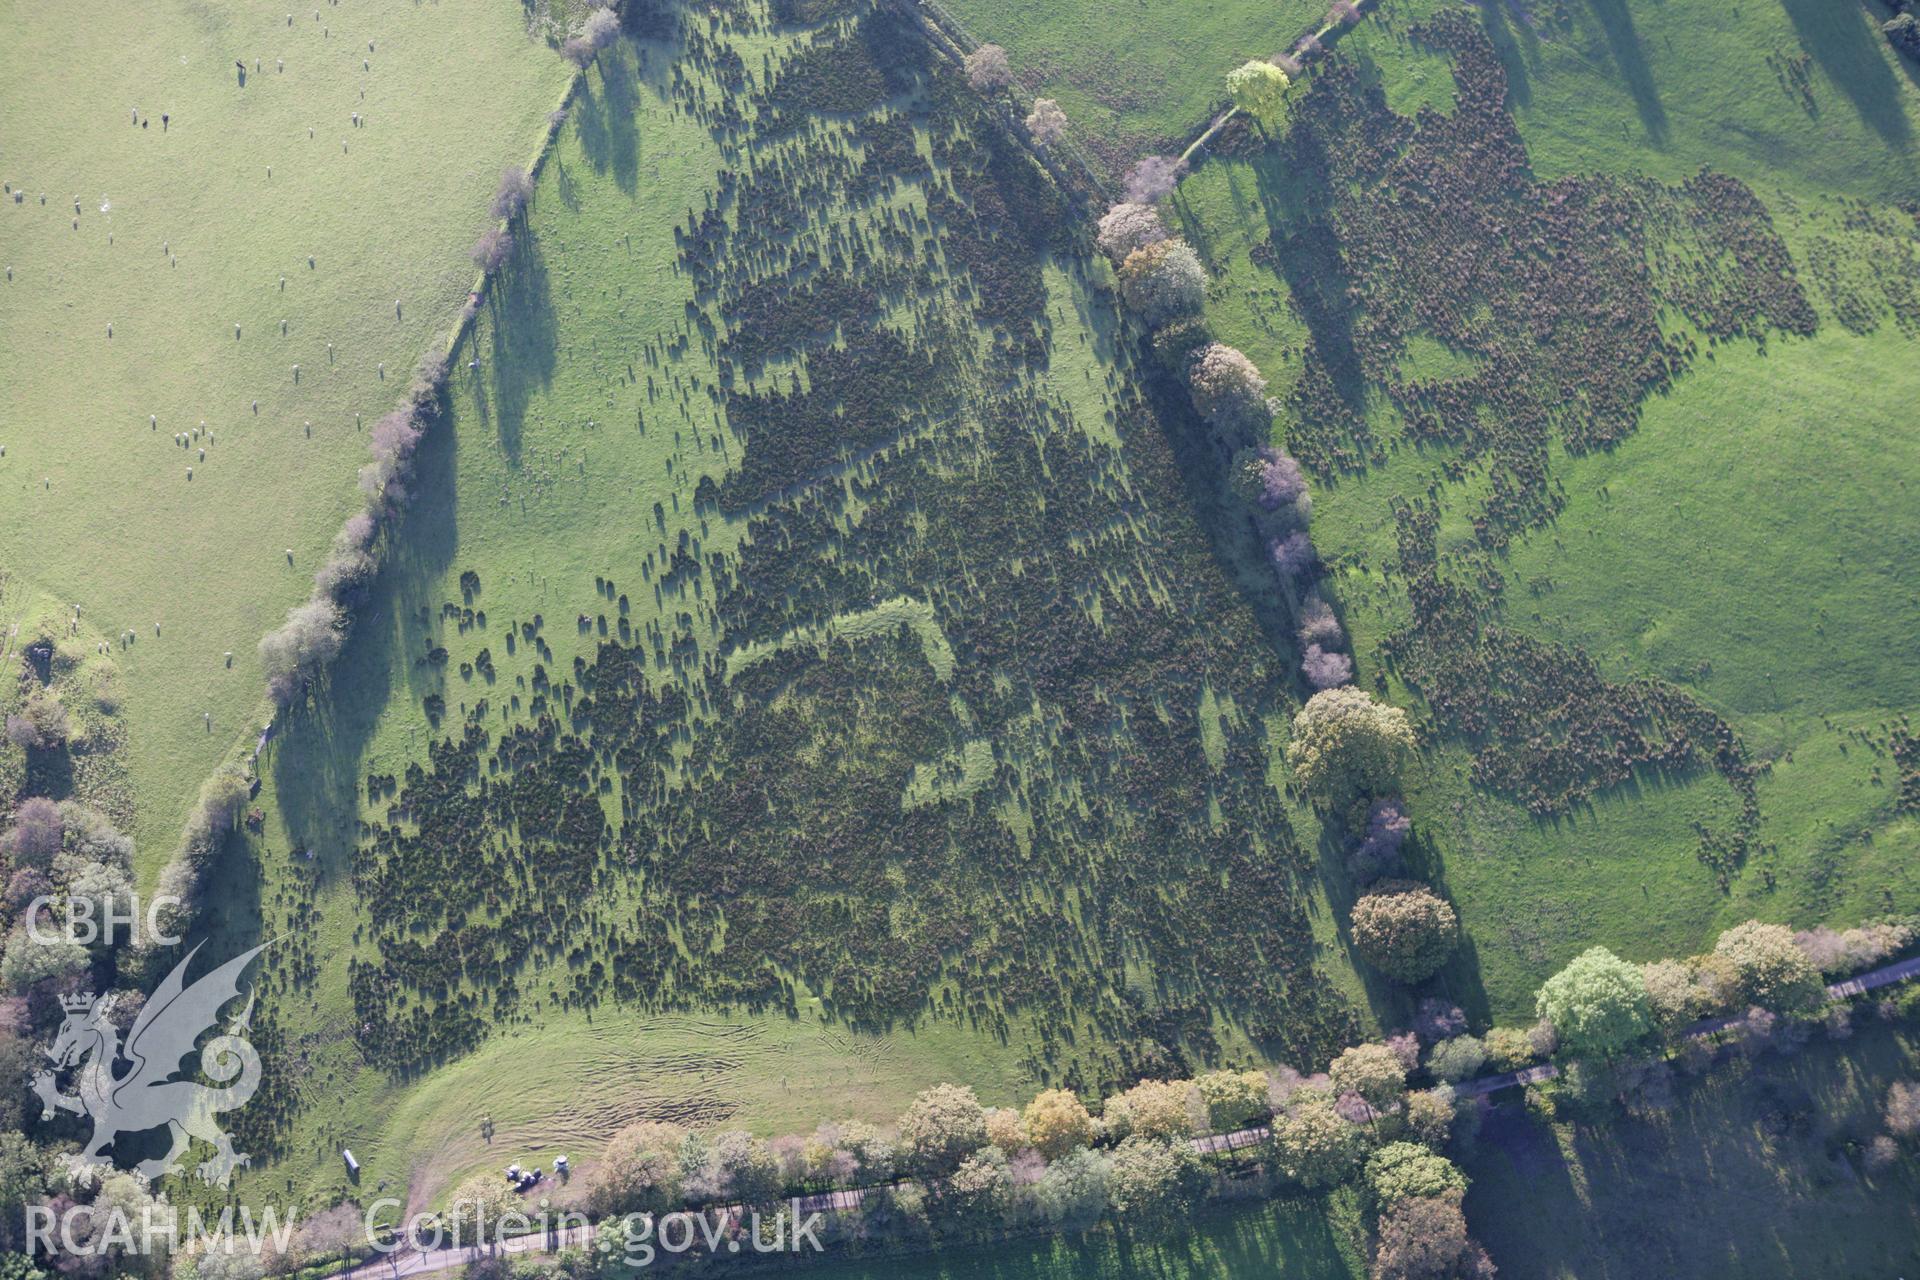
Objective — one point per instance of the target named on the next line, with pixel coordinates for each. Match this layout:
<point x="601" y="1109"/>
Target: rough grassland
<point x="97" y="507"/>
<point x="567" y="535"/>
<point x="1134" y="77"/>
<point x="1749" y="542"/>
<point x="1752" y="1171"/>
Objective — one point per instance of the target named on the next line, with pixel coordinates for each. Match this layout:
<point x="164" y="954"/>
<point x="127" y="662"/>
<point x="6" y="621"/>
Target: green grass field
<point x="1135" y="78"/>
<point x="1755" y="1170"/>
<point x="229" y="215"/>
<point x="1747" y="543"/>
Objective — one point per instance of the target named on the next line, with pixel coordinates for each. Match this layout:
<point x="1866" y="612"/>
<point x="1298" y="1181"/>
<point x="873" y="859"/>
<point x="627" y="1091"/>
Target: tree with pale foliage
<point x="1046" y="123"/>
<point x="1127" y="227"/>
<point x="1425" y="1238"/>
<point x="1005" y="1130"/>
<point x="1075" y="1189"/>
<point x="1429" y="1116"/>
<point x="979" y="1190"/>
<point x="1153" y="1183"/>
<point x="298" y="650"/>
<point x="1373" y="1071"/>
<point x="639" y="1172"/>
<point x="1457" y="1059"/>
<point x="1163" y="281"/>
<point x="1230" y="392"/>
<point x="944" y="1125"/>
<point x="1347" y="745"/>
<point x="1258" y="88"/>
<point x="1315" y="1147"/>
<point x="1402" y="1169"/>
<point x="1233" y="1099"/>
<point x="476" y="1208"/>
<point x="1056" y="1123"/>
<point x="1769" y="970"/>
<point x="1153" y="178"/>
<point x="988" y="68"/>
<point x="1405" y="930"/>
<point x="1155" y="1108"/>
<point x="1678" y="993"/>
<point x="1598" y="1005"/>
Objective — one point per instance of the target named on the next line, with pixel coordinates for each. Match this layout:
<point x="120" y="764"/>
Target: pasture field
<point x="169" y="235"/>
<point x="1681" y="525"/>
<point x="801" y="639"/>
<point x="1754" y="1170"/>
<point x="1135" y="78"/>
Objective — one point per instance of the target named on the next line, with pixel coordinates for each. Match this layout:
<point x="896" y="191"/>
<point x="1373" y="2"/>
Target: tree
<point x="639" y="1172"/>
<point x="23" y="1179"/>
<point x="1430" y="1116"/>
<point x="601" y="28"/>
<point x="1233" y="1099"/>
<point x="1457" y="1059"/>
<point x="1294" y="557"/>
<point x="1769" y="970"/>
<point x="1314" y="1146"/>
<point x="1425" y="1238"/>
<point x="1258" y="88"/>
<point x="513" y="193"/>
<point x="1378" y="853"/>
<point x="1324" y="670"/>
<point x="299" y="649"/>
<point x="1005" y="1130"/>
<point x="1903" y="33"/>
<point x="1154" y="1182"/>
<point x="1155" y="1108"/>
<point x="1153" y="178"/>
<point x="1402" y="1169"/>
<point x="944" y="1125"/>
<point x="493" y="248"/>
<point x="988" y="68"/>
<point x="1163" y="281"/>
<point x="333" y="1233"/>
<point x="1273" y="483"/>
<point x="1371" y="1070"/>
<point x="1126" y="227"/>
<point x="41" y="724"/>
<point x="979" y="1191"/>
<point x="1597" y="1004"/>
<point x="1405" y="930"/>
<point x="28" y="963"/>
<point x="732" y="1165"/>
<point x="1229" y="392"/>
<point x="1046" y="123"/>
<point x="1508" y="1048"/>
<point x="1074" y="1190"/>
<point x="35" y="835"/>
<point x="476" y="1208"/>
<point x="1677" y="993"/>
<point x="1345" y="744"/>
<point x="1056" y="1123"/>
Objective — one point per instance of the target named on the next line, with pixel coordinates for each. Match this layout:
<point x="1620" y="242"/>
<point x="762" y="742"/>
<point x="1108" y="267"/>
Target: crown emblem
<point x="78" y="1003"/>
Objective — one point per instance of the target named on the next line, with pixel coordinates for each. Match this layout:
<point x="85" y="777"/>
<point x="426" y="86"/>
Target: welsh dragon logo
<point x="146" y="1096"/>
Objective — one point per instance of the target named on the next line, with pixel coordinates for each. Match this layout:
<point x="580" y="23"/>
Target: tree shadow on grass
<point x="609" y="131"/>
<point x="523" y="344"/>
<point x="318" y="762"/>
<point x="1624" y="43"/>
<point x="1844" y="42"/>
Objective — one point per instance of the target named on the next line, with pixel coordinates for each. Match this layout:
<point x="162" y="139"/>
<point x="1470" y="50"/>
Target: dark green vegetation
<point x="1754" y="1170"/>
<point x="1561" y="392"/>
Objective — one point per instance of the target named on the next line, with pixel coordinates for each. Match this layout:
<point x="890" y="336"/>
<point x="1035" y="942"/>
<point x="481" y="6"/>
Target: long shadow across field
<point x="1843" y="41"/>
<point x="1623" y="41"/>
